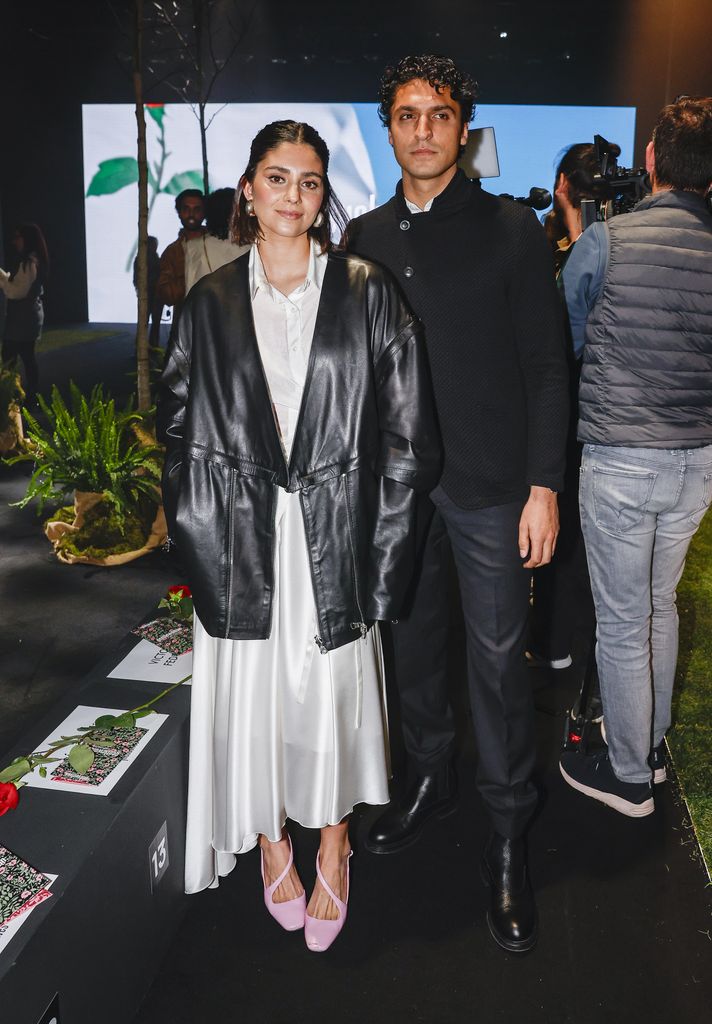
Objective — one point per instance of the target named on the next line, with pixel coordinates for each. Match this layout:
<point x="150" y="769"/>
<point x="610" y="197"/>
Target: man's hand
<point x="539" y="527"/>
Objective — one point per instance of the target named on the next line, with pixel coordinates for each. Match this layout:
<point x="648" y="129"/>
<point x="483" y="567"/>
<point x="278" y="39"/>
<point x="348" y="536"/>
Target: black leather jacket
<point x="366" y="441"/>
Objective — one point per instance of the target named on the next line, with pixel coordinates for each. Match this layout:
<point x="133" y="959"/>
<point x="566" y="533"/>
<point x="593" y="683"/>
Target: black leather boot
<point x="432" y="795"/>
<point x="512" y="916"/>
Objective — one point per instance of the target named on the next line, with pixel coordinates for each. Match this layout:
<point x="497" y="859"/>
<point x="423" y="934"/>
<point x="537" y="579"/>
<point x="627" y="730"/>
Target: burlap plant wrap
<point x="55" y="530"/>
<point x="13" y="433"/>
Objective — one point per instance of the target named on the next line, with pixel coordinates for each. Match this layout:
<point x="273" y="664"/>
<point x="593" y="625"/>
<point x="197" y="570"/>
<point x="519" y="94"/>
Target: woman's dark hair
<point x="244" y="229"/>
<point x="34" y="242"/>
<point x="579" y="166"/>
<point x="218" y="211"/>
<point x="438" y="72"/>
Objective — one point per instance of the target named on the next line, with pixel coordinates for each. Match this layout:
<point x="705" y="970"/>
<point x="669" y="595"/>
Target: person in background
<point x="299" y="426"/>
<point x="24" y="289"/>
<point x="562" y="604"/>
<point x="574" y="182"/>
<point x="214" y="248"/>
<point x="170" y="289"/>
<point x="640" y="306"/>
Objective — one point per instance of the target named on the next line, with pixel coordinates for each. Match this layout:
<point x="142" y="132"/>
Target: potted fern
<point x="99" y="453"/>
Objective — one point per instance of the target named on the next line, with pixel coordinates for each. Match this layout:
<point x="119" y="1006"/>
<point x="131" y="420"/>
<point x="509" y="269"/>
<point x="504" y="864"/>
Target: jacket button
<point x="408" y="271"/>
<point x="404" y="225"/>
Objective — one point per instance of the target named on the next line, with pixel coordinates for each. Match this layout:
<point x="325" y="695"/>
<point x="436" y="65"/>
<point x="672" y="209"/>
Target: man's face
<point x="191" y="213"/>
<point x="426" y="130"/>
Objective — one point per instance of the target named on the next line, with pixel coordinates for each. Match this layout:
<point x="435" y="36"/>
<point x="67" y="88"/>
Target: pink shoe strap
<point x="341" y="904"/>
<point x="275" y="885"/>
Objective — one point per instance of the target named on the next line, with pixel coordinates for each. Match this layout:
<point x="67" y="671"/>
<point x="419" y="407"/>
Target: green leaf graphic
<point x="179" y="182"/>
<point x="81" y="758"/>
<point x="157" y="112"/>
<point x="113" y="175"/>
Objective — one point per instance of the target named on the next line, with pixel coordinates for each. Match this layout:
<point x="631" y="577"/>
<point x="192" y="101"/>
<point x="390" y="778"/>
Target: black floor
<point x="625" y="910"/>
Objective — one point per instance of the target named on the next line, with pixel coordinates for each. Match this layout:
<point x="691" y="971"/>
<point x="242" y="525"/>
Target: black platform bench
<point x="90" y="952"/>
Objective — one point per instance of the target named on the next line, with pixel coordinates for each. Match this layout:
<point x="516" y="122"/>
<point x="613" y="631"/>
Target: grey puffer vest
<point x="647" y="371"/>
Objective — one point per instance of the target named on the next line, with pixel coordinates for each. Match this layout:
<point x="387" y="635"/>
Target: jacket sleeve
<point x="171" y="275"/>
<point x="170" y="415"/>
<point x="583" y="278"/>
<point x="409" y="462"/>
<point x="537" y="322"/>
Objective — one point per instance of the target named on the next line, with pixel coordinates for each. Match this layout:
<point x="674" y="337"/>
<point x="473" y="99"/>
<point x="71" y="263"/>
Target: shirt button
<point x="408" y="271"/>
<point x="404" y="225"/>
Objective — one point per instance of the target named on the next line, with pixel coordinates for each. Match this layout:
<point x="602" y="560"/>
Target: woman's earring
<point x="319" y="220"/>
<point x="249" y="208"/>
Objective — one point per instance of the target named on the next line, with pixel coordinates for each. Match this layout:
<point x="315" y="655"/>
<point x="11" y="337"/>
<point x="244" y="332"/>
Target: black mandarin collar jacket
<point x="366" y="441"/>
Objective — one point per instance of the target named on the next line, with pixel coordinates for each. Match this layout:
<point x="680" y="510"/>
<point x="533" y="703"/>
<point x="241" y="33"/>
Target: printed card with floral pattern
<point x="168" y="634"/>
<point x="120" y="744"/>
<point x="21" y="886"/>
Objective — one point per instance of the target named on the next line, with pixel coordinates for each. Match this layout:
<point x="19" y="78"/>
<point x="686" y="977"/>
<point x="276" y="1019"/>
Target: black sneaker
<point x="656" y="757"/>
<point x="593" y="775"/>
<point x="657" y="763"/>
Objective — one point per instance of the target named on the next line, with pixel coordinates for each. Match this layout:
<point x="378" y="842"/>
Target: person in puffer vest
<point x="639" y="295"/>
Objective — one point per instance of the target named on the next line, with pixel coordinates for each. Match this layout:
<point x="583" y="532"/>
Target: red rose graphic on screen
<point x="9" y="797"/>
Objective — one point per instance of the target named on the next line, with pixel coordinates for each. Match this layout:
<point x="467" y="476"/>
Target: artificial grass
<point x="690" y="739"/>
<point x="64" y="337"/>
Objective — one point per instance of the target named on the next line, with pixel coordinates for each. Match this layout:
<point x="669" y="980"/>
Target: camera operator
<point x="561" y="592"/>
<point x="640" y="305"/>
<point x="575" y="180"/>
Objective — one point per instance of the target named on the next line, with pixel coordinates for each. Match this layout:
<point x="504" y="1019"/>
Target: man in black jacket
<point x="477" y="271"/>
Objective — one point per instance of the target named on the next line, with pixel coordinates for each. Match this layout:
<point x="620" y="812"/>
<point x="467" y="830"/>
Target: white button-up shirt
<point x="414" y="208"/>
<point x="284" y="325"/>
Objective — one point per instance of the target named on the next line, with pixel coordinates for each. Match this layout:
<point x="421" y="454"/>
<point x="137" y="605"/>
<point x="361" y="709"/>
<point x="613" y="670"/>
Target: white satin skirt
<point x="277" y="729"/>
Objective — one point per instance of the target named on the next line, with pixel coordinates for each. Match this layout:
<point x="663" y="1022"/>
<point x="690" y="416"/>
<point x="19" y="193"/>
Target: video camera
<point x="617" y="189"/>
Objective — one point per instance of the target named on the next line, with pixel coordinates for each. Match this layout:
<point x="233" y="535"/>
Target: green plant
<point x="122" y="171"/>
<point x="88" y="446"/>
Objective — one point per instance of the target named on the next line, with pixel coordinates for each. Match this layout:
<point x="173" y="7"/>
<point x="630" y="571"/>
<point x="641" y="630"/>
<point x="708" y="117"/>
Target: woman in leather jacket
<point x="299" y="427"/>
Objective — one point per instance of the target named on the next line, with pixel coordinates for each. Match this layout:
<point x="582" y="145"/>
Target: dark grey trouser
<point x="495" y="600"/>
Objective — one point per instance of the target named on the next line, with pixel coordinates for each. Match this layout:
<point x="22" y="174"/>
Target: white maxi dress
<point x="277" y="729"/>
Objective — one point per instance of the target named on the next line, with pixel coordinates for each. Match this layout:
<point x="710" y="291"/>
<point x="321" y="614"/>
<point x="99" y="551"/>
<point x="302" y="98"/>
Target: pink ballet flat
<point x="319" y="934"/>
<point x="290" y="914"/>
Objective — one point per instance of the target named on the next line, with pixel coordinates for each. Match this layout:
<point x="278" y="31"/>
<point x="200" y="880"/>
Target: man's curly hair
<point x="437" y="72"/>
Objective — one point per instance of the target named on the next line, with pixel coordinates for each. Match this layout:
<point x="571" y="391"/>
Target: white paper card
<point x="83" y="715"/>
<point x="148" y="662"/>
<point x="9" y="930"/>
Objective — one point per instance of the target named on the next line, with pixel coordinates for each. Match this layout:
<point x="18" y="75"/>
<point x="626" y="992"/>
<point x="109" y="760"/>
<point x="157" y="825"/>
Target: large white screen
<point x="363" y="171"/>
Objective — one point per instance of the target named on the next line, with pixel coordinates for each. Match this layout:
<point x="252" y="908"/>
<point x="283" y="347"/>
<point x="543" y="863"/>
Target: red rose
<point x="180" y="589"/>
<point x="9" y="797"/>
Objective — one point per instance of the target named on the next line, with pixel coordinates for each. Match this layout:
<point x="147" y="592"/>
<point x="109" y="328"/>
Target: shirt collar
<point x="414" y="208"/>
<point x="456" y="194"/>
<point x="316" y="268"/>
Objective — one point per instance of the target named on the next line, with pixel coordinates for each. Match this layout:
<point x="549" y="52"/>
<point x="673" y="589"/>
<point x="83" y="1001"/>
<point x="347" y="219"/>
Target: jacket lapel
<point x="321" y="347"/>
<point x="255" y="369"/>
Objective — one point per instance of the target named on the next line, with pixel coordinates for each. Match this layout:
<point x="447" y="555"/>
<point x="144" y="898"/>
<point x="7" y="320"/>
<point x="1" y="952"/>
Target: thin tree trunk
<point x="143" y="386"/>
<point x="199" y="14"/>
<point x="204" y="147"/>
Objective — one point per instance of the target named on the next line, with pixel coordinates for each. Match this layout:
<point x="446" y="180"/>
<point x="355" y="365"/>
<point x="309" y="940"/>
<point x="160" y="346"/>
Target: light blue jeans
<point x="640" y="508"/>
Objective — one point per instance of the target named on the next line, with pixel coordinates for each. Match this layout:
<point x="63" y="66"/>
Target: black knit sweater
<point x="478" y="272"/>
